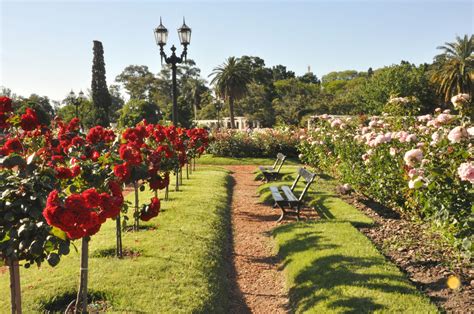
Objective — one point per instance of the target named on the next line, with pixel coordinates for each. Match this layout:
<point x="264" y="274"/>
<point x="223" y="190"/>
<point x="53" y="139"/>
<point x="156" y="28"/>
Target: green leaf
<point x="58" y="233"/>
<point x="53" y="259"/>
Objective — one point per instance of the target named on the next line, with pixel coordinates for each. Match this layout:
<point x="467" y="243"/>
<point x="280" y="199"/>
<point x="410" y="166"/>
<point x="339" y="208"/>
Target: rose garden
<point x="355" y="197"/>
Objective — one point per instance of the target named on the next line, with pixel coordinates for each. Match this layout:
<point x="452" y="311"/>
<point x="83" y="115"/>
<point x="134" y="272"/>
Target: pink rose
<point x="413" y="156"/>
<point x="466" y="171"/>
<point x="457" y="134"/>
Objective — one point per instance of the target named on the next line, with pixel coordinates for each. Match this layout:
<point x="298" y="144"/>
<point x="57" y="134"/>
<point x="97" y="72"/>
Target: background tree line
<point x="273" y="95"/>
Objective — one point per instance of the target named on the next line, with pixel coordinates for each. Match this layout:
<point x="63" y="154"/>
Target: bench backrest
<point x="308" y="177"/>
<point x="279" y="162"/>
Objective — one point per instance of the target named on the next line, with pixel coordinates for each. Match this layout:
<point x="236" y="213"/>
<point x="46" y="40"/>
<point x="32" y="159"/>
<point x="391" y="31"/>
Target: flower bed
<point x="257" y="143"/>
<point x="421" y="166"/>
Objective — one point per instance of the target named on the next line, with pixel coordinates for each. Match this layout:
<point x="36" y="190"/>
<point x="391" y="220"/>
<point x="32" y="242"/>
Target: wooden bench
<point x="288" y="200"/>
<point x="272" y="172"/>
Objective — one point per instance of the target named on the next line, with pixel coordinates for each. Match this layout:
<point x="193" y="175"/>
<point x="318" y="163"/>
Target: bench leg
<point x="283" y="212"/>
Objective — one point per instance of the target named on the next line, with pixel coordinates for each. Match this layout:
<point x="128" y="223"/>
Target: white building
<point x="241" y="123"/>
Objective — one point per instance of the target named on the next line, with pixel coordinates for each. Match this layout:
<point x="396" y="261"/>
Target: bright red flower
<point x="3" y="121"/>
<point x="5" y="104"/>
<point x="29" y="120"/>
<point x="75" y="202"/>
<point x="122" y="171"/>
<point x="13" y="145"/>
<point x="91" y="197"/>
<point x="95" y="135"/>
<point x="151" y="210"/>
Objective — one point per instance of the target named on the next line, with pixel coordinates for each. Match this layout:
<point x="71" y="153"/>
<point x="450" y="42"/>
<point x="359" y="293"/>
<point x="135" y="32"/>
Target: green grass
<point x="331" y="267"/>
<point x="181" y="267"/>
<point x="209" y="159"/>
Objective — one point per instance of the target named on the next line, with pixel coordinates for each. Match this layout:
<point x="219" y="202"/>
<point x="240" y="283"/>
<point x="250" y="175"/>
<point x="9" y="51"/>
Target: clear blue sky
<point x="46" y="47"/>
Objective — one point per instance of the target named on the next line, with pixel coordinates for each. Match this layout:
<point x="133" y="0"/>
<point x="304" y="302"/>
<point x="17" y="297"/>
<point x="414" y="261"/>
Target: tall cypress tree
<point x="100" y="94"/>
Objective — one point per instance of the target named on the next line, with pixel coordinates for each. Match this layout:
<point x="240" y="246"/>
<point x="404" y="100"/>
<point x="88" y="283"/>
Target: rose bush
<point x="421" y="166"/>
<point x="258" y="143"/>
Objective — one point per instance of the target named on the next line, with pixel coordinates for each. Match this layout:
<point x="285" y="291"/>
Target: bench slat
<point x="289" y="194"/>
<point x="276" y="194"/>
<point x="266" y="169"/>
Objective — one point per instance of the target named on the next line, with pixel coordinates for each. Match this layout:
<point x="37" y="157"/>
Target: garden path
<point x="259" y="282"/>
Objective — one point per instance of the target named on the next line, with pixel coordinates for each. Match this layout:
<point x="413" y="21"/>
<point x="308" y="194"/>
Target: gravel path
<point x="259" y="284"/>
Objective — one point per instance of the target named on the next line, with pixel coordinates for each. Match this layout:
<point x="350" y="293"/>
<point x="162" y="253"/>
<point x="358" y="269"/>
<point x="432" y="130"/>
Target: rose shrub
<point x="421" y="166"/>
<point x="257" y="143"/>
<point x="25" y="182"/>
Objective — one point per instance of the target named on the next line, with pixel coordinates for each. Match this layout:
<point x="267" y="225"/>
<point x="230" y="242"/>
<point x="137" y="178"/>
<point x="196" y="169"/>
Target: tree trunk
<point x="136" y="214"/>
<point x="118" y="232"/>
<point x="187" y="170"/>
<point x="166" y="192"/>
<point x="177" y="179"/>
<point x="231" y="112"/>
<point x="81" y="300"/>
<point x="15" y="288"/>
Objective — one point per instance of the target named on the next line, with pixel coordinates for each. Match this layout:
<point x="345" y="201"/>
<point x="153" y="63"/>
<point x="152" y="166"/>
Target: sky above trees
<point x="46" y="47"/>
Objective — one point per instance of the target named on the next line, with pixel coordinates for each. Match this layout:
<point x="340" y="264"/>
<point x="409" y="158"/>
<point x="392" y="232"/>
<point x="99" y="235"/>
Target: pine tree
<point x="100" y="94"/>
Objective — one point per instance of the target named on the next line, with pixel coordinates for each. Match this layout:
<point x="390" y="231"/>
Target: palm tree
<point x="230" y="80"/>
<point x="453" y="70"/>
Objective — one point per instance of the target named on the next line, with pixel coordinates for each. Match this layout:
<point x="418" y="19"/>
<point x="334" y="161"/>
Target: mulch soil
<point x="422" y="255"/>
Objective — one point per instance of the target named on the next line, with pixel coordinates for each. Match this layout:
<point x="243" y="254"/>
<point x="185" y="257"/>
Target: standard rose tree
<point x="25" y="181"/>
<point x="88" y="193"/>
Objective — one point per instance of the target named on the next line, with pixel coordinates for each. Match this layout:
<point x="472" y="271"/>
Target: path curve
<point x="259" y="284"/>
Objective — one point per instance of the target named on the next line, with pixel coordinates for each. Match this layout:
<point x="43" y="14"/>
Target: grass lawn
<point x="209" y="159"/>
<point x="181" y="267"/>
<point x="333" y="268"/>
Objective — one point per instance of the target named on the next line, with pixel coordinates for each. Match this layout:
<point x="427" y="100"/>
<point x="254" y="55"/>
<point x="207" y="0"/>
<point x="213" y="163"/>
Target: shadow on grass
<point x="59" y="303"/>
<point x="331" y="274"/>
<point x="110" y="252"/>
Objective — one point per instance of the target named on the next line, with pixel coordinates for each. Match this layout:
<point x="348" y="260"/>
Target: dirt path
<point x="259" y="284"/>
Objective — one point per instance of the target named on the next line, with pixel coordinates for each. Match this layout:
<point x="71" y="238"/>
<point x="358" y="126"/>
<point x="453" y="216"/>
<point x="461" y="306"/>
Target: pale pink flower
<point x="393" y="151"/>
<point x="466" y="171"/>
<point x="457" y="134"/>
<point x="420" y="144"/>
<point x="300" y="156"/>
<point x="365" y="130"/>
<point x="437" y="110"/>
<point x="336" y="123"/>
<point x="411" y="138"/>
<point x="324" y="116"/>
<point x="424" y="118"/>
<point x="460" y="100"/>
<point x="413" y="156"/>
<point x="447" y="111"/>
<point x="470" y="131"/>
<point x="444" y="118"/>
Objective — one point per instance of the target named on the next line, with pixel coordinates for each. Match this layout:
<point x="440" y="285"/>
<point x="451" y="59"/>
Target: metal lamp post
<point x="76" y="101"/>
<point x="161" y="36"/>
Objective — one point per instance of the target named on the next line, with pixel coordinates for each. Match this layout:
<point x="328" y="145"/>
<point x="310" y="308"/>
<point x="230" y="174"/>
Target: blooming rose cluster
<point x="152" y="210"/>
<point x="82" y="214"/>
<point x="5" y="109"/>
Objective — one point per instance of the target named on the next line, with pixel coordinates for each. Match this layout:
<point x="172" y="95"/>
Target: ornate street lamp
<point x="161" y="36"/>
<point x="76" y="101"/>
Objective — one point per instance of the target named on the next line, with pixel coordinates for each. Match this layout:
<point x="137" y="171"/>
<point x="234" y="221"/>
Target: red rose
<point x="122" y="171"/>
<point x="3" y="121"/>
<point x="77" y="141"/>
<point x="53" y="198"/>
<point x="151" y="210"/>
<point x="95" y="135"/>
<point x="29" y="120"/>
<point x="63" y="173"/>
<point x="51" y="214"/>
<point x="5" y="104"/>
<point x="115" y="188"/>
<point x="91" y="197"/>
<point x="75" y="202"/>
<point x="95" y="155"/>
<point x="13" y="145"/>
<point x="75" y="233"/>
